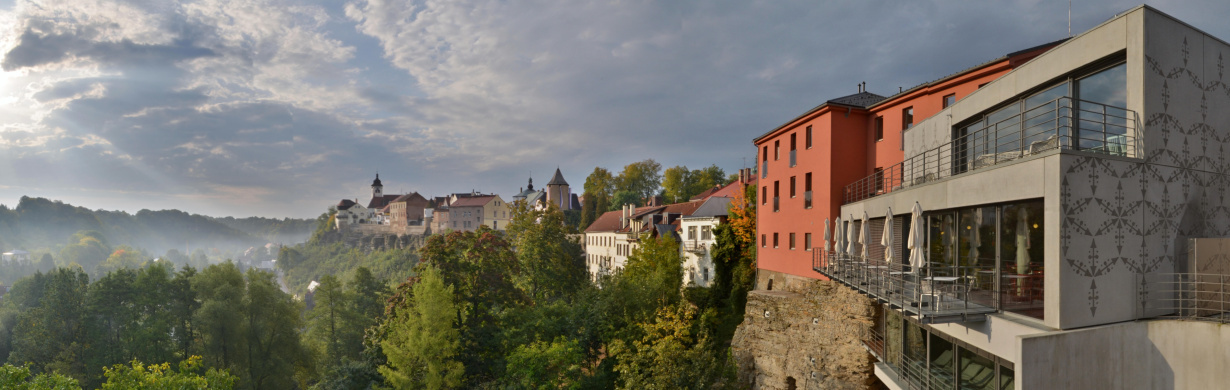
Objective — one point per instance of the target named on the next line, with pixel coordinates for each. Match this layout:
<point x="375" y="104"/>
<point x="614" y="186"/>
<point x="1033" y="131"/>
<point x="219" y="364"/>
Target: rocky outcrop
<point x="807" y="337"/>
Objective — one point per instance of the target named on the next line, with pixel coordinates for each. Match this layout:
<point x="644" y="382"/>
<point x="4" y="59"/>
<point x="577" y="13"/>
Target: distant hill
<point x="39" y="223"/>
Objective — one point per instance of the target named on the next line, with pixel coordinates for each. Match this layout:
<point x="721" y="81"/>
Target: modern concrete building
<point x="1063" y="226"/>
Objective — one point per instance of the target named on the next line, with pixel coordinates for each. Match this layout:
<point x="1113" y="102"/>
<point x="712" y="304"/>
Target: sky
<point x="281" y="108"/>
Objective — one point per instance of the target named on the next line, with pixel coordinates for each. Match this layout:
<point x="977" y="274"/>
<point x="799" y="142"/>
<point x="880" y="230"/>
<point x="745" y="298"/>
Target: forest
<point x="480" y="309"/>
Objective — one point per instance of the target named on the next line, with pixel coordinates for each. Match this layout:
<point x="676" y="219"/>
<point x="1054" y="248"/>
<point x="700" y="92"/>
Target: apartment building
<point x="806" y="163"/>
<point x="1063" y="226"/>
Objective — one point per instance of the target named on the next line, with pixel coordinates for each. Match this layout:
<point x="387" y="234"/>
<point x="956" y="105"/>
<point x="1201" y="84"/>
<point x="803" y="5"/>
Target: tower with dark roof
<point x="558" y="192"/>
<point x="377" y="188"/>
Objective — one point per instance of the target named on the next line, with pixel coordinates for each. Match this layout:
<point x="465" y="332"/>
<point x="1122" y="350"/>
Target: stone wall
<point x="806" y="330"/>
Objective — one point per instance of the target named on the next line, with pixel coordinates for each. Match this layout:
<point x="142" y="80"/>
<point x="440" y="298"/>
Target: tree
<point x="160" y="377"/>
<point x="600" y="183"/>
<point x="622" y="198"/>
<point x="677" y="184"/>
<point x="330" y="323"/>
<point x="20" y="378"/>
<point x="219" y="320"/>
<point x="642" y="178"/>
<point x="547" y="366"/>
<point x="275" y="353"/>
<point x="552" y="265"/>
<point x="423" y="341"/>
<point x="704" y="179"/>
<point x="49" y="333"/>
<point x="673" y="354"/>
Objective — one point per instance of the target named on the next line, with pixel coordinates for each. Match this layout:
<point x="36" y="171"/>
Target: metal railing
<point x="932" y="296"/>
<point x="694" y="246"/>
<point x="1062" y="123"/>
<point x="1192" y="296"/>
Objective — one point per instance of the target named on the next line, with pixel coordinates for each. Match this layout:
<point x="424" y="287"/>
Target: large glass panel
<point x="943" y="256"/>
<point x="976" y="372"/>
<point x="943" y="363"/>
<point x="1046" y="116"/>
<point x="1021" y="253"/>
<point x="1099" y="124"/>
<point x="976" y="232"/>
<point x="1005" y="136"/>
<point x="1007" y="380"/>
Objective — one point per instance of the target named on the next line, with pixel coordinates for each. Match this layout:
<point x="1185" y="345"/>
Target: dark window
<point x="807" y="181"/>
<point x="907" y="118"/>
<point x="879" y="128"/>
<point x="807" y="138"/>
<point x="793" y="139"/>
<point x="807" y="241"/>
<point x="777" y="188"/>
<point x="949" y="99"/>
<point x="765" y="155"/>
<point x="791" y="241"/>
<point x="764" y="194"/>
<point x="777" y="150"/>
<point x="762" y="241"/>
<point x="792" y="186"/>
<point x="775" y="240"/>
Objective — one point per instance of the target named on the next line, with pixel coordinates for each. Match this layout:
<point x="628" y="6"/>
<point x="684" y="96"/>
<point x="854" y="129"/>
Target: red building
<point x="806" y="163"/>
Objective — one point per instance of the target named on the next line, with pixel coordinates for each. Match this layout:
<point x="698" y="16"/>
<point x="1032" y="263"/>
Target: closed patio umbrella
<point x="851" y="236"/>
<point x="840" y="239"/>
<point x="863" y="240"/>
<point x="887" y="239"/>
<point x="916" y="238"/>
<point x="828" y="235"/>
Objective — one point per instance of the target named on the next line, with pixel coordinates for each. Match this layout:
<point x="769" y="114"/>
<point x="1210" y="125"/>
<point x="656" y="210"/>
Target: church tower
<point x="377" y="188"/>
<point x="558" y="192"/>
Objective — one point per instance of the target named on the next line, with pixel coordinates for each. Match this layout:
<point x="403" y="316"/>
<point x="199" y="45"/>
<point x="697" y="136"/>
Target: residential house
<point x="469" y="212"/>
<point x="697" y="239"/>
<point x="407" y="210"/>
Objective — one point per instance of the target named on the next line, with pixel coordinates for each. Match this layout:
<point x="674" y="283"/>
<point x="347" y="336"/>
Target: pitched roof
<point x="861" y="99"/>
<point x="408" y="197"/>
<point x="684" y="209"/>
<point x="732" y="189"/>
<point x="558" y="179"/>
<point x="707" y="193"/>
<point x="607" y="222"/>
<point x="379" y="203"/>
<point x="473" y="201"/>
<point x="713" y="207"/>
<point x="345" y="204"/>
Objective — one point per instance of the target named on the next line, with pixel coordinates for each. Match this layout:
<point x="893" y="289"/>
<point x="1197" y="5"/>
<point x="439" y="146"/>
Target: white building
<point x="16" y="255"/>
<point x="698" y="239"/>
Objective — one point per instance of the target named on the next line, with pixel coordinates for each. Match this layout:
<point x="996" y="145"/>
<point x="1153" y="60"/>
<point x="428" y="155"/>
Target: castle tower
<point x="558" y="192"/>
<point x="377" y="188"/>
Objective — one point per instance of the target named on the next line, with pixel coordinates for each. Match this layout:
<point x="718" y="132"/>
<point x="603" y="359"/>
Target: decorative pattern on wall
<point x="1124" y="218"/>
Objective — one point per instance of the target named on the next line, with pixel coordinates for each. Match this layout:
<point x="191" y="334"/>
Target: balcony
<point x="1063" y="123"/>
<point x="764" y="169"/>
<point x="695" y="247"/>
<point x="925" y="294"/>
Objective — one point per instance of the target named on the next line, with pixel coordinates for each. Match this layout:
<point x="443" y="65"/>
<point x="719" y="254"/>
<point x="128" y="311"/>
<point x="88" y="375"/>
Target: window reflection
<point x="943" y="360"/>
<point x="1021" y="255"/>
<point x="976" y="372"/>
<point x="1103" y="128"/>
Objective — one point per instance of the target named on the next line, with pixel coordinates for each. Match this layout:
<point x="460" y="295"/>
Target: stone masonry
<point x="805" y="334"/>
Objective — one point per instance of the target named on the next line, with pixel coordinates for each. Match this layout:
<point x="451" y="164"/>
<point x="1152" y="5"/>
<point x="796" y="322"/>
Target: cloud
<point x="279" y="107"/>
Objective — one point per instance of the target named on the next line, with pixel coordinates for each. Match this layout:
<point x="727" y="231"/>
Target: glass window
<point x="976" y="371"/>
<point x="1021" y="254"/>
<point x="879" y="123"/>
<point x="943" y="256"/>
<point x="943" y="362"/>
<point x="808" y="137"/>
<point x="1102" y="119"/>
<point x="1006" y="378"/>
<point x="915" y="351"/>
<point x="950" y="99"/>
<point x="907" y="118"/>
<point x="976" y="241"/>
<point x="807" y="241"/>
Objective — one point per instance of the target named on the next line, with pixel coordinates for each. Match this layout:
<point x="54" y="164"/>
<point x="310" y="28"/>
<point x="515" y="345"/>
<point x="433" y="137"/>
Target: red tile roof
<point x="379" y="203"/>
<point x="733" y="188"/>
